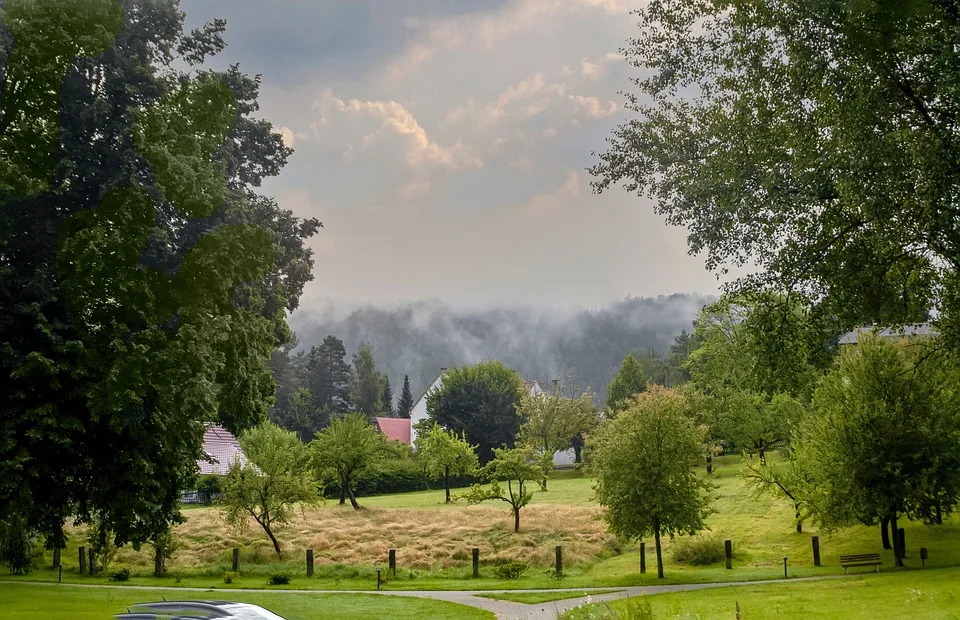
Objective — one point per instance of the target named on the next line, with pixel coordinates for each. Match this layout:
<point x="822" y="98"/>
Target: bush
<point x="121" y="575"/>
<point x="279" y="579"/>
<point x="554" y="574"/>
<point x="230" y="577"/>
<point x="20" y="549"/>
<point x="396" y="475"/>
<point x="509" y="570"/>
<point x="699" y="550"/>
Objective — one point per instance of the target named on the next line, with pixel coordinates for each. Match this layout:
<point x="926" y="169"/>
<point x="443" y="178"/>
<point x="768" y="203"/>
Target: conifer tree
<point x="406" y="399"/>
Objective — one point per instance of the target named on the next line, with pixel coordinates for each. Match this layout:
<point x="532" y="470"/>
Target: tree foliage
<point x="479" y="401"/>
<point x="551" y="422"/>
<point x="816" y="140"/>
<point x="629" y="381"/>
<point x="348" y="447"/>
<point x="511" y="465"/>
<point x="277" y="477"/>
<point x="328" y="377"/>
<point x="643" y="461"/>
<point x="405" y="404"/>
<point x="366" y="384"/>
<point x="442" y="452"/>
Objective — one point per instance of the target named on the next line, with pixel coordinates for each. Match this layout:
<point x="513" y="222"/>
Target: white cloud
<point x="593" y="107"/>
<point x="597" y="68"/>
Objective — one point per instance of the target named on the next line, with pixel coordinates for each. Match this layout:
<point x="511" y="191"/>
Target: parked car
<point x="192" y="610"/>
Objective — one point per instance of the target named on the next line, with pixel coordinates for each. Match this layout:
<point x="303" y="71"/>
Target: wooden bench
<point x="863" y="559"/>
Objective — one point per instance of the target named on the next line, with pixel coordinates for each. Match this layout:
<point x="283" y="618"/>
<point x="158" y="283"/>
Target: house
<point x="220" y="450"/>
<point x="397" y="429"/>
<point x="918" y="330"/>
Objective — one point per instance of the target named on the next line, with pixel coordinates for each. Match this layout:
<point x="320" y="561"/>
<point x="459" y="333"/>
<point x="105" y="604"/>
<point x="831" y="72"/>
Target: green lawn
<point x="909" y="595"/>
<point x="28" y="602"/>
<point x="533" y="598"/>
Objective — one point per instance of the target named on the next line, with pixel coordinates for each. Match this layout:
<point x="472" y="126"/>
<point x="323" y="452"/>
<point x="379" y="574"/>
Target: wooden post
<point x="236" y="560"/>
<point x="923" y="557"/>
<point x="559" y="563"/>
<point x="902" y="538"/>
<point x="93" y="560"/>
<point x="158" y="562"/>
<point x="816" y="550"/>
<point x="83" y="560"/>
<point x="309" y="562"/>
<point x="709" y="464"/>
<point x="728" y="551"/>
<point x="643" y="558"/>
<point x="56" y="557"/>
<point x="392" y="562"/>
<point x="476" y="562"/>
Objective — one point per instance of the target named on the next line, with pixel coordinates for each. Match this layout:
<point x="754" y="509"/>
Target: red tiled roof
<point x="397" y="429"/>
<point x="220" y="444"/>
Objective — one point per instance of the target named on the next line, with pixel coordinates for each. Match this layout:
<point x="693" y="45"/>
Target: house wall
<point x="419" y="410"/>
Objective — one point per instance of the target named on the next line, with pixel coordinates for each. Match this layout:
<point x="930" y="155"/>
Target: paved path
<point x="503" y="610"/>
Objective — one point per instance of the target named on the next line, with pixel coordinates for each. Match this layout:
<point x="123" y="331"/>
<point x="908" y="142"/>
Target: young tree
<point x="510" y="464"/>
<point x="784" y="479"/>
<point x="629" y="381"/>
<point x="276" y="478"/>
<point x="386" y="397"/>
<point x="348" y="447"/>
<point x="406" y="399"/>
<point x="366" y="384"/>
<point x="441" y="451"/>
<point x="479" y="401"/>
<point x="552" y="422"/>
<point x="644" y="463"/>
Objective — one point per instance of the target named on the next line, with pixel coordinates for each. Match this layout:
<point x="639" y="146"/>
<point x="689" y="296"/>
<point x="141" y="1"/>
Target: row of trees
<point x="317" y="385"/>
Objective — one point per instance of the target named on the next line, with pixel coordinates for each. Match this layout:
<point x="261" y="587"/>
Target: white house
<point x="534" y="388"/>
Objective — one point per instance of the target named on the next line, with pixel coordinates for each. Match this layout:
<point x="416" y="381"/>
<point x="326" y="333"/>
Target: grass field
<point x="532" y="598"/>
<point x="930" y="594"/>
<point x="433" y="543"/>
<point x="30" y="602"/>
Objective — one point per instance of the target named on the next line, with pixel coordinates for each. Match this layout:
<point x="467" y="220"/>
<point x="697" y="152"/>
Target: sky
<point x="444" y="146"/>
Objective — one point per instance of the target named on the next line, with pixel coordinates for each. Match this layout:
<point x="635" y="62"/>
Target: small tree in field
<point x="348" y="447"/>
<point x="267" y="488"/>
<point x="515" y="465"/>
<point x="644" y="463"/>
<point x="551" y="423"/>
<point x="441" y="451"/>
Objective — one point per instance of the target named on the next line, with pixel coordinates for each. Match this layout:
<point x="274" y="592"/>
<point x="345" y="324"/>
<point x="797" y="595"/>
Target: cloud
<point x="593" y="107"/>
<point x="393" y="117"/>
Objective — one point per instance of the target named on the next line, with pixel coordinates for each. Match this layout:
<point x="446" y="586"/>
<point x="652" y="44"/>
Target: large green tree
<point x="643" y="460"/>
<point x="479" y="401"/>
<point x="348" y="448"/>
<point x="815" y="140"/>
<point x="144" y="283"/>
<point x="328" y="377"/>
<point x="277" y="477"/>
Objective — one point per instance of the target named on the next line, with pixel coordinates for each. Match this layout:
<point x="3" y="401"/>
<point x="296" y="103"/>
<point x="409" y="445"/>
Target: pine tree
<point x="406" y="399"/>
<point x="365" y="385"/>
<point x="328" y="377"/>
<point x="386" y="398"/>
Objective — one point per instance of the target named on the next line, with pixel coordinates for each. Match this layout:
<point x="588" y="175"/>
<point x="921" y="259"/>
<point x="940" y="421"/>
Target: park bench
<point x="863" y="559"/>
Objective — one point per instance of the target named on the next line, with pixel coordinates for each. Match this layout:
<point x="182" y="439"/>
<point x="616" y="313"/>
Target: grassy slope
<point x="26" y="602"/>
<point x="915" y="594"/>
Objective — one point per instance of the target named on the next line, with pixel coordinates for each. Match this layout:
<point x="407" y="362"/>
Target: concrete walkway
<point x="503" y="610"/>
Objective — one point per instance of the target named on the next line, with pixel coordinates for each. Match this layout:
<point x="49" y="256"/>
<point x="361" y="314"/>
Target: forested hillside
<point x="588" y="346"/>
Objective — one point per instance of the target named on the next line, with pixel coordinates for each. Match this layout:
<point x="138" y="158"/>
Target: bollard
<point x="923" y="557"/>
<point x="392" y="562"/>
<point x="902" y="537"/>
<point x="476" y="562"/>
<point x="643" y="558"/>
<point x="378" y="579"/>
<point x="559" y="563"/>
<point x="728" y="552"/>
<point x="83" y="560"/>
<point x="236" y="560"/>
<point x="56" y="557"/>
<point x="816" y="550"/>
<point x="309" y="562"/>
<point x="784" y="567"/>
<point x="92" y="560"/>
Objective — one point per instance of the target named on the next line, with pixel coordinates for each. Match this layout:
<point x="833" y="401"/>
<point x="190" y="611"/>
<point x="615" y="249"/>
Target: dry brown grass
<point x="424" y="538"/>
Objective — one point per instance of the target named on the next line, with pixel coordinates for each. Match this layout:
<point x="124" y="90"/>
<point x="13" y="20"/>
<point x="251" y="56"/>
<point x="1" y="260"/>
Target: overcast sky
<point x="443" y="145"/>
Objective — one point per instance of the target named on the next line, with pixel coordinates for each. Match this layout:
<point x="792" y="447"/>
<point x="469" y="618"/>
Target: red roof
<point x="220" y="444"/>
<point x="397" y="429"/>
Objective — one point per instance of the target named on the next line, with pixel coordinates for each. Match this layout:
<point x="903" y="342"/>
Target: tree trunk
<point x="709" y="464"/>
<point x="516" y="519"/>
<point x="446" y="481"/>
<point x="799" y="522"/>
<point x="939" y="517"/>
<point x="576" y="452"/>
<point x="656" y="533"/>
<point x="884" y="532"/>
<point x="353" y="499"/>
<point x="897" y="551"/>
<point x="158" y="562"/>
<point x="343" y="492"/>
<point x="273" y="539"/>
<point x="762" y="453"/>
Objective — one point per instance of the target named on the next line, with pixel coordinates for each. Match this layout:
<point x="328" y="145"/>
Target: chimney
<point x="443" y="369"/>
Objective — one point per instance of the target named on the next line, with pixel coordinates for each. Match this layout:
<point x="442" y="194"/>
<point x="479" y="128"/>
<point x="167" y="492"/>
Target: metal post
<point x="728" y="552"/>
<point x="378" y="579"/>
<point x="559" y="563"/>
<point x="476" y="562"/>
<point x="643" y="558"/>
<point x="816" y="550"/>
<point x="784" y="567"/>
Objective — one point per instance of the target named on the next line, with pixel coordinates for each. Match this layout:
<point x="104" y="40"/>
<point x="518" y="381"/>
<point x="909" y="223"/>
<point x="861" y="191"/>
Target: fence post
<point x="93" y="560"/>
<point x="236" y="560"/>
<point x="816" y="550"/>
<point x="392" y="562"/>
<point x="923" y="557"/>
<point x="309" y="562"/>
<point x="476" y="562"/>
<point x="83" y="560"/>
<point x="643" y="558"/>
<point x="728" y="552"/>
<point x="559" y="564"/>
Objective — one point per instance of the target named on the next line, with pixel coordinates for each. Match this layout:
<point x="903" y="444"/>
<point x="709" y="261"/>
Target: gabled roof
<point x="906" y="331"/>
<point x="426" y="391"/>
<point x="397" y="429"/>
<point x="223" y="449"/>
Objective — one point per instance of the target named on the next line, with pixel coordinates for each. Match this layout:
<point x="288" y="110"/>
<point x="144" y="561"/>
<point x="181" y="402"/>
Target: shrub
<point x="279" y="579"/>
<point x="698" y="550"/>
<point x="230" y="577"/>
<point x="509" y="570"/>
<point x="121" y="575"/>
<point x="20" y="549"/>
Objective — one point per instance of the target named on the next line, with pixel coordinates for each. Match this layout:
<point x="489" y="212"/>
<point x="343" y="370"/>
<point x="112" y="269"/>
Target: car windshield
<point x="243" y="611"/>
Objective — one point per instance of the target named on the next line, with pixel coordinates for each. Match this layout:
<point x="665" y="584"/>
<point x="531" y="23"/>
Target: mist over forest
<point x="585" y="346"/>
